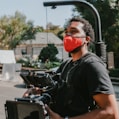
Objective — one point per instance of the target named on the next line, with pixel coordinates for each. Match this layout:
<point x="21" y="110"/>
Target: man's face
<point x="75" y="36"/>
<point x="76" y="29"/>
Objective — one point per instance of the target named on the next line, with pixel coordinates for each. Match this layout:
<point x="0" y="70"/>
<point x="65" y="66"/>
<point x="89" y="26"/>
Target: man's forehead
<point x="76" y="25"/>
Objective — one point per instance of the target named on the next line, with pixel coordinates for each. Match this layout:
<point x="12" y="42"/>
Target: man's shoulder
<point x="91" y="58"/>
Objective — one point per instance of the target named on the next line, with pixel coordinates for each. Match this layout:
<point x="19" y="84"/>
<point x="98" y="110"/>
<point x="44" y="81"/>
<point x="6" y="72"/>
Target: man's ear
<point x="88" y="38"/>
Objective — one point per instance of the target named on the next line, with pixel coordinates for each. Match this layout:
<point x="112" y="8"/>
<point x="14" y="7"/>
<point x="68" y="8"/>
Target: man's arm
<point x="107" y="109"/>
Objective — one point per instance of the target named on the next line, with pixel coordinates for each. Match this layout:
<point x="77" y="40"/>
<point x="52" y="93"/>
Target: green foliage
<point x="49" y="65"/>
<point x="28" y="62"/>
<point x="109" y="14"/>
<point x="14" y="30"/>
<point x="25" y="62"/>
<point x="48" y="53"/>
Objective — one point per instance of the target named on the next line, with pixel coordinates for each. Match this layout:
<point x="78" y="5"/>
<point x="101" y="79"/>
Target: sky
<point x="35" y="11"/>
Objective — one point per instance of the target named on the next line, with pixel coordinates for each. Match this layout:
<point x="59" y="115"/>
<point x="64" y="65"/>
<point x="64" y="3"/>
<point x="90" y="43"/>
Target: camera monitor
<point x="23" y="110"/>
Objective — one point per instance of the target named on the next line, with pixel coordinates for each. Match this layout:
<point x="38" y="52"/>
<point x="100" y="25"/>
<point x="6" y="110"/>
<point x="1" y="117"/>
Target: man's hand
<point x="52" y="115"/>
<point x="34" y="91"/>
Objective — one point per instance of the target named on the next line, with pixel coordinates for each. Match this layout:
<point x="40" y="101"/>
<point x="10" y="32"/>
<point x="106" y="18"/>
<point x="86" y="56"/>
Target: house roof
<point x="45" y="38"/>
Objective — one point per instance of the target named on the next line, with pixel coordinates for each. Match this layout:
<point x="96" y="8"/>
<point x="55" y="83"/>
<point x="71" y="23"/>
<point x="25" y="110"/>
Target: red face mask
<point x="71" y="43"/>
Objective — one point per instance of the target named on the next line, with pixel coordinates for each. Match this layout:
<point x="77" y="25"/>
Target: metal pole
<point x="100" y="46"/>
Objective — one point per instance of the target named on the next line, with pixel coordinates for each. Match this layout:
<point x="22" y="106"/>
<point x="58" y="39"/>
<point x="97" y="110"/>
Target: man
<point x="87" y="91"/>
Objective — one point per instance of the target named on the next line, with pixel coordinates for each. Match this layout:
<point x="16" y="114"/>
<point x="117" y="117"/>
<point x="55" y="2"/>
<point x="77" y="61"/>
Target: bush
<point x="48" y="53"/>
<point x="50" y="65"/>
<point x="25" y="62"/>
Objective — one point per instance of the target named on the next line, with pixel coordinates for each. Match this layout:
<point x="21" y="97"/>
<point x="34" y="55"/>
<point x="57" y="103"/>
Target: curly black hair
<point x="87" y="26"/>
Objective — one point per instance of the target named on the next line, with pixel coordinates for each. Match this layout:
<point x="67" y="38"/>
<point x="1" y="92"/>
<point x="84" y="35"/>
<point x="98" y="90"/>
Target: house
<point x="32" y="48"/>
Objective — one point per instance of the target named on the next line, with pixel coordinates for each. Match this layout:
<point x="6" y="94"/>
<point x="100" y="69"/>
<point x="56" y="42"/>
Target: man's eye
<point x="72" y="31"/>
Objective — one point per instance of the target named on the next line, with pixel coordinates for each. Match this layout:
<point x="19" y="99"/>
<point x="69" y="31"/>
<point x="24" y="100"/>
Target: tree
<point x="14" y="30"/>
<point x="109" y="13"/>
<point x="48" y="53"/>
<point x="53" y="28"/>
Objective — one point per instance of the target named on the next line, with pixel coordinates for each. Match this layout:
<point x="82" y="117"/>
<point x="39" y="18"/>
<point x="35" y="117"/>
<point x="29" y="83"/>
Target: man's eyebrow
<point x="75" y="29"/>
<point x="71" y="29"/>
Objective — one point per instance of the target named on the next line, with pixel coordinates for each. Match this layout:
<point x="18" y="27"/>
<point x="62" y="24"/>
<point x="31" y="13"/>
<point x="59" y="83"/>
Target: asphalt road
<point x="8" y="91"/>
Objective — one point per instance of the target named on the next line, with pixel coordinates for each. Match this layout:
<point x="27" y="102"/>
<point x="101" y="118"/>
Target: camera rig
<point x="32" y="107"/>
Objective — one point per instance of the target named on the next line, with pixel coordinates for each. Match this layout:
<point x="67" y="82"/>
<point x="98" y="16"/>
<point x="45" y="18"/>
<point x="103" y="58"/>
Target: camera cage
<point x="32" y="107"/>
<point x="37" y="78"/>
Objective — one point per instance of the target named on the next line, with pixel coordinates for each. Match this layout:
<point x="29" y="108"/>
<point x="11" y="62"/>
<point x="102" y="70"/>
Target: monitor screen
<point x="23" y="110"/>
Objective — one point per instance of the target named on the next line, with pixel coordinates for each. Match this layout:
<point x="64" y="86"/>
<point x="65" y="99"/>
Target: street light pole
<point x="99" y="45"/>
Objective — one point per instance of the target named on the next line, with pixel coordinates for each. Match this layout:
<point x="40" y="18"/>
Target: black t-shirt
<point x="82" y="79"/>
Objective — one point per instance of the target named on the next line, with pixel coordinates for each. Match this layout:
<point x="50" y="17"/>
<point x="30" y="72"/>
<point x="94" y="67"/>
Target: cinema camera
<point x="32" y="107"/>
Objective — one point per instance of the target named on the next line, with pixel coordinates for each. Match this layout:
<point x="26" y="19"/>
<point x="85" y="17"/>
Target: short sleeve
<point x="98" y="79"/>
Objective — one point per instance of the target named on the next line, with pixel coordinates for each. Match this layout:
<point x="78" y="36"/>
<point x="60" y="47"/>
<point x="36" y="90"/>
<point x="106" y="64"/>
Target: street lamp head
<point x="53" y="7"/>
